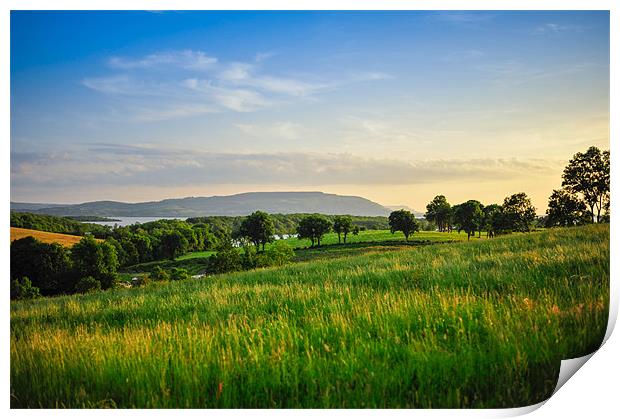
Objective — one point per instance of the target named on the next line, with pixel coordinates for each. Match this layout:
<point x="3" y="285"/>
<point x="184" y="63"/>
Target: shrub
<point x="179" y="274"/>
<point x="158" y="274"/>
<point x="279" y="254"/>
<point x="22" y="289"/>
<point x="142" y="281"/>
<point x="87" y="285"/>
<point x="250" y="258"/>
<point x="226" y="260"/>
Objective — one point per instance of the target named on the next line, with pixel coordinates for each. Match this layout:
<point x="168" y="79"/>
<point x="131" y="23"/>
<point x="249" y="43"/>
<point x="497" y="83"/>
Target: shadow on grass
<point x="194" y="265"/>
<point x="331" y="251"/>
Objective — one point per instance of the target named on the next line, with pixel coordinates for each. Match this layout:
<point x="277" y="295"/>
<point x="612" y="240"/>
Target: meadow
<point x="476" y="324"/>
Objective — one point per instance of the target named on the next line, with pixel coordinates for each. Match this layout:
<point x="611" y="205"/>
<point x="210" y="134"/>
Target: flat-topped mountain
<point x="240" y="204"/>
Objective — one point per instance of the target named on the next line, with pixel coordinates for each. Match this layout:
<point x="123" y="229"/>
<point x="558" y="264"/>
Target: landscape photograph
<point x="306" y="209"/>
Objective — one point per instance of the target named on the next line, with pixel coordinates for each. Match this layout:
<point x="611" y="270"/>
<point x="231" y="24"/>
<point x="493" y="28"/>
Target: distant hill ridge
<point x="239" y="204"/>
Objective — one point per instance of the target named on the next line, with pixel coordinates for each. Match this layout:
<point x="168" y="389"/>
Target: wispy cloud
<point x="556" y="28"/>
<point x="103" y="164"/>
<point x="513" y="72"/>
<point x="467" y="18"/>
<point x="283" y="129"/>
<point x="218" y="86"/>
<point x="262" y="56"/>
<point x="187" y="59"/>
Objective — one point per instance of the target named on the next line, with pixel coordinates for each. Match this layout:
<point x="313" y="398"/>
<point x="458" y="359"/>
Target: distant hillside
<point x="405" y="207"/>
<point x="240" y="204"/>
<point x="27" y="207"/>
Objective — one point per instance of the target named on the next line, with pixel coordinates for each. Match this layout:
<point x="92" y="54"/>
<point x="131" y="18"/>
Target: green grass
<point x="192" y="255"/>
<point x="382" y="236"/>
<point x="479" y="324"/>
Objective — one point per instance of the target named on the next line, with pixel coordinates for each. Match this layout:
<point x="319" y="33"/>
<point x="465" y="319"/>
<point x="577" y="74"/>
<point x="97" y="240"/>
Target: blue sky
<point x="393" y="106"/>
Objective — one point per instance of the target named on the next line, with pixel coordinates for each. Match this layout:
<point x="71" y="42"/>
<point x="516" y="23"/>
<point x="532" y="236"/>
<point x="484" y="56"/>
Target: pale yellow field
<point x="45" y="236"/>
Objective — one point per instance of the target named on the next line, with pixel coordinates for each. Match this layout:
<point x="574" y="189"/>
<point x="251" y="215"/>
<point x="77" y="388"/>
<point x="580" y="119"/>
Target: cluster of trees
<point x="39" y="268"/>
<point x="258" y="229"/>
<point x="161" y="239"/>
<point x="515" y="214"/>
<point x="283" y="224"/>
<point x="139" y="243"/>
<point x="230" y="259"/>
<point x="584" y="196"/>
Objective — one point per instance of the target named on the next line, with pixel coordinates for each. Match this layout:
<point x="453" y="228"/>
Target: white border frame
<point x="593" y="391"/>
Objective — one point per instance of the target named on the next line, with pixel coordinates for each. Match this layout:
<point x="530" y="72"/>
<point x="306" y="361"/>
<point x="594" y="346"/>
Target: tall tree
<point x="257" y="228"/>
<point x="439" y="212"/>
<point x="468" y="217"/>
<point x="173" y="243"/>
<point x="343" y="225"/>
<point x="95" y="259"/>
<point x="490" y="219"/>
<point x="403" y="220"/>
<point x="47" y="265"/>
<point x="587" y="175"/>
<point x="313" y="227"/>
<point x="566" y="209"/>
<point x="519" y="212"/>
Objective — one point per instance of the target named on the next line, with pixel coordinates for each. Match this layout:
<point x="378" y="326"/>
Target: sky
<point x="396" y="107"/>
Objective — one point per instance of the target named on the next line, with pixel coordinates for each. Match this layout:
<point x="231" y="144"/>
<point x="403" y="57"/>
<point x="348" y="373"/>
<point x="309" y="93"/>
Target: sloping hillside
<point x="44" y="236"/>
<point x="240" y="204"/>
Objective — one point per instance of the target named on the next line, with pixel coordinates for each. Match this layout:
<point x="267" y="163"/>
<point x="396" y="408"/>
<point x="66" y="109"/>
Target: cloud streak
<point x="103" y="164"/>
<point x="556" y="28"/>
<point x="197" y="83"/>
<point x="187" y="59"/>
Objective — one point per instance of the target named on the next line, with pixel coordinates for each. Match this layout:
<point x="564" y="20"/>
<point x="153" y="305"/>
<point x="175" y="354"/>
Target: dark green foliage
<point x="518" y="212"/>
<point x="587" y="175"/>
<point x="159" y="274"/>
<point x="439" y="212"/>
<point x="469" y="217"/>
<point x="257" y="228"/>
<point x="313" y="227"/>
<point x="179" y="274"/>
<point x="491" y="219"/>
<point x="47" y="265"/>
<point x="566" y="209"/>
<point x="22" y="289"/>
<point x="173" y="244"/>
<point x="279" y="254"/>
<point x="98" y="260"/>
<point x="227" y="259"/>
<point x="343" y="224"/>
<point x="87" y="284"/>
<point x="403" y="220"/>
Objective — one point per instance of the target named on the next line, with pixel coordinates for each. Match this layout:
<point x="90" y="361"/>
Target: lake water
<point x="126" y="221"/>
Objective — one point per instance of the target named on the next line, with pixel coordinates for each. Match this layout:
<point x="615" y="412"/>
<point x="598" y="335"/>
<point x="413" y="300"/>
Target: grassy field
<point x="44" y="236"/>
<point x="382" y="236"/>
<point x="479" y="324"/>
